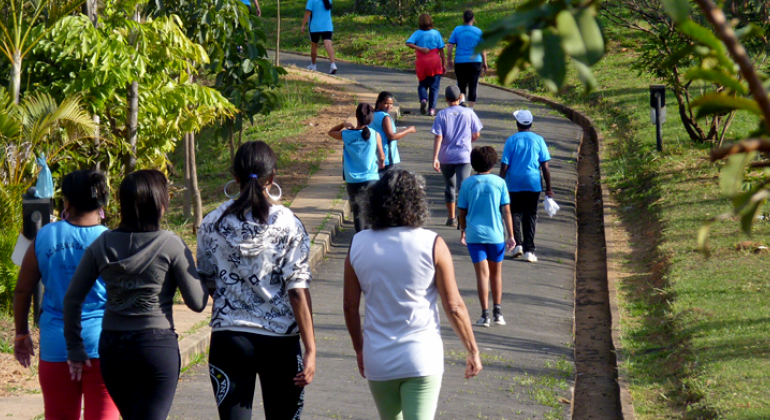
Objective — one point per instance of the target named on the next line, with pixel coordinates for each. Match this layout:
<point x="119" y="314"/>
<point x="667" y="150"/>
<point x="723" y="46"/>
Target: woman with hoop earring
<point x="253" y="254"/>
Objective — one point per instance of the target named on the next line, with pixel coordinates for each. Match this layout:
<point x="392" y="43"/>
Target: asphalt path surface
<point x="529" y="361"/>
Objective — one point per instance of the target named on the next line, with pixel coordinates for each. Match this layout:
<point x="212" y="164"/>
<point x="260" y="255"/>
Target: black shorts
<point x="315" y="36"/>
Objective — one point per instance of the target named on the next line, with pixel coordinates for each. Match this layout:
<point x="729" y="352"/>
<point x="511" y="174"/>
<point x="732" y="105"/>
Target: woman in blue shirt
<point x="319" y="13"/>
<point x="362" y="156"/>
<point x="384" y="125"/>
<point x="52" y="258"/>
<point x="467" y="63"/>
<point x="483" y="204"/>
<point x="430" y="64"/>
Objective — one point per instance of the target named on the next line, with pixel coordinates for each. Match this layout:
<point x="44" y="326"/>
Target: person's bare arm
<point x="302" y="306"/>
<point x="336" y="131"/>
<point x="508" y="219"/>
<point x="308" y="13"/>
<point x="351" y="300"/>
<point x="449" y="49"/>
<point x="443" y="57"/>
<point x="484" y="65"/>
<point x="475" y="136"/>
<point x="29" y="276"/>
<point x="436" y="145"/>
<point x="454" y="307"/>
<point x="462" y="215"/>
<point x="416" y="48"/>
<point x="257" y="10"/>
<point x="547" y="176"/>
<point x="503" y="170"/>
<point x="388" y="128"/>
<point x="380" y="152"/>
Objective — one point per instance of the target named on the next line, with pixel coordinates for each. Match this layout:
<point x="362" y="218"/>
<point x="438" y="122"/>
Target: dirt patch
<point x="17" y="380"/>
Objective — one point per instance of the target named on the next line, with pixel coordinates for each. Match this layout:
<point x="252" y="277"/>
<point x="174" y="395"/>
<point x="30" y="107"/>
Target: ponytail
<point x="328" y="4"/>
<point x="86" y="190"/>
<point x="253" y="165"/>
<point x="366" y="133"/>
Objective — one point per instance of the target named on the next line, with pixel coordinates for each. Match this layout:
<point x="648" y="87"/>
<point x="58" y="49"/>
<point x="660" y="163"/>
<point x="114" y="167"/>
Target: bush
<point x="397" y="11"/>
<point x="10" y="226"/>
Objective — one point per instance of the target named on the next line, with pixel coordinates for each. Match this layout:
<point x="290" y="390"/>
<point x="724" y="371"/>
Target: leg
<point x="463" y="172"/>
<point x="419" y="397"/>
<point x="313" y="52"/>
<point x="482" y="283"/>
<point x="433" y="92"/>
<point x="450" y="180"/>
<point x="387" y="398"/>
<point x="233" y="373"/>
<point x="157" y="373"/>
<point x="422" y="89"/>
<point x="516" y="215"/>
<point x="354" y="193"/>
<point x="61" y="395"/>
<point x="97" y="402"/>
<point x="119" y="378"/>
<point x="462" y="78"/>
<point x="496" y="281"/>
<point x="329" y="49"/>
<point x="281" y="361"/>
<point x="529" y="220"/>
<point x="474" y="71"/>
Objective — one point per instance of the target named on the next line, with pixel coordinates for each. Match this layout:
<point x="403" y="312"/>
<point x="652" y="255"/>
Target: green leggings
<point x="407" y="398"/>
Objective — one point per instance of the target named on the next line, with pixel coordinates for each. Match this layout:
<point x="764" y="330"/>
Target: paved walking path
<point x="523" y="360"/>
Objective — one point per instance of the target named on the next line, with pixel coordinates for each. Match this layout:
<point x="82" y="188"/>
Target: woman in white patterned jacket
<point x="254" y="256"/>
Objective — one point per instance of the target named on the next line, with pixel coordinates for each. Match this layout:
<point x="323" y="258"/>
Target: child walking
<point x="482" y="205"/>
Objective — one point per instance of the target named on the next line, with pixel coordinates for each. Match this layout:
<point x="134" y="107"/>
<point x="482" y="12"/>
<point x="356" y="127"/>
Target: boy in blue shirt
<point x="482" y="205"/>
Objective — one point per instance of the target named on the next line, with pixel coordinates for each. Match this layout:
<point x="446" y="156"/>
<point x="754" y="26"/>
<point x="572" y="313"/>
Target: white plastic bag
<point x="550" y="206"/>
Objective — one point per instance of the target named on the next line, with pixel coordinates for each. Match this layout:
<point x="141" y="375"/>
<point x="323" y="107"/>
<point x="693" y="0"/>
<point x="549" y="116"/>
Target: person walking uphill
<point x="525" y="155"/>
<point x="468" y="64"/>
<point x="454" y="129"/>
<point x="254" y="255"/>
<point x="362" y="155"/>
<point x="52" y="258"/>
<point x="319" y="13"/>
<point x="142" y="267"/>
<point x="402" y="269"/>
<point x="384" y="125"/>
<point x="431" y="63"/>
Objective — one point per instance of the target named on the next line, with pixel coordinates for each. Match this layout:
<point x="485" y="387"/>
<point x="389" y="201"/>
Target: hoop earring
<point x="234" y="196"/>
<point x="276" y="198"/>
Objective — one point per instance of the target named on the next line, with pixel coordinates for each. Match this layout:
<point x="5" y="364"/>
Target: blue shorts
<point x="491" y="252"/>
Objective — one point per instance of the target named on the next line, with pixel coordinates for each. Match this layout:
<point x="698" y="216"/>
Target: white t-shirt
<point x="396" y="271"/>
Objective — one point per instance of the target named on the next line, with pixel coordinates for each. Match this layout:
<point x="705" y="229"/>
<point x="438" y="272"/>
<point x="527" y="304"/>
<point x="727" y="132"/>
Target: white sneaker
<point x="483" y="322"/>
<point x="530" y="256"/>
<point x="518" y="251"/>
<point x="311" y="67"/>
<point x="333" y="69"/>
<point x="499" y="320"/>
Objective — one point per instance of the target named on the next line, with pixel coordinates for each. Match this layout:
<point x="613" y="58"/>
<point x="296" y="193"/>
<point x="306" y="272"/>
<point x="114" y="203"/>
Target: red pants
<point x="62" y="395"/>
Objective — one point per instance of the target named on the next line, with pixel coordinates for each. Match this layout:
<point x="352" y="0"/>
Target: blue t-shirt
<point x="321" y="20"/>
<point x="523" y="153"/>
<point x="466" y="37"/>
<point x="391" y="149"/>
<point x="482" y="196"/>
<point x="359" y="156"/>
<point x="430" y="39"/>
<point x="456" y="125"/>
<point x="59" y="247"/>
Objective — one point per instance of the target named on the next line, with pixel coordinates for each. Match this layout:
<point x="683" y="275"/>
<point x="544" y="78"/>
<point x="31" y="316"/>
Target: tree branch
<point x="744" y="146"/>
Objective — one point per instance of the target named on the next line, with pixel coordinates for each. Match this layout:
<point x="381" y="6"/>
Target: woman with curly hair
<point x="402" y="269"/>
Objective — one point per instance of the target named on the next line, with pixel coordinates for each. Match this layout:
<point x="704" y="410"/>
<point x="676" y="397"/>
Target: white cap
<point x="523" y="116"/>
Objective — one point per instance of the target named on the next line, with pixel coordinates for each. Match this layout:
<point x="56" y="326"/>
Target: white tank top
<point x="402" y="335"/>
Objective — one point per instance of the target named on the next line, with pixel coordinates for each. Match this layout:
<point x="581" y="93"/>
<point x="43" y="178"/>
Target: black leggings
<point x="354" y="194"/>
<point x="235" y="360"/>
<point x="141" y="371"/>
<point x="468" y="77"/>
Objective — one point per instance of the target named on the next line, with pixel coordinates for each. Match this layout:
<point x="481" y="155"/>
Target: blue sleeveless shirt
<point x="360" y="156"/>
<point x="391" y="149"/>
<point x="59" y="247"/>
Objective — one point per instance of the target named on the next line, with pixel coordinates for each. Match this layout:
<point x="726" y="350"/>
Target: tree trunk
<point x="132" y="116"/>
<point x="97" y="141"/>
<point x="278" y="34"/>
<point x="90" y="9"/>
<point x="240" y="136"/>
<point x="196" y="194"/>
<point x="186" y="206"/>
<point x="231" y="137"/>
<point x="15" y="76"/>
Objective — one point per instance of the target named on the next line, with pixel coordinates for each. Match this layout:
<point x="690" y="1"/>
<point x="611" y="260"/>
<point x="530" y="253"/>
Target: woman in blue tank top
<point x="362" y="156"/>
<point x="52" y="258"/>
<point x="384" y="125"/>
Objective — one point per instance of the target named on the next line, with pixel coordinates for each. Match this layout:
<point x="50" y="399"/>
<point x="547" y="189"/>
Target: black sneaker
<point x="423" y="107"/>
<point x="450" y="221"/>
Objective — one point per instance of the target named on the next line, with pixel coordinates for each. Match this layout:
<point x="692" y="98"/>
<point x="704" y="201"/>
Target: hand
<point x="360" y="361"/>
<point x="436" y="165"/>
<point x="259" y="12"/>
<point x="484" y="68"/>
<point x="381" y="164"/>
<point x="305" y="377"/>
<point x="510" y="244"/>
<point x="76" y="369"/>
<point x="549" y="192"/>
<point x="302" y="30"/>
<point x="411" y="129"/>
<point x="451" y="65"/>
<point x="462" y="237"/>
<point x="472" y="365"/>
<point x="23" y="349"/>
<point x="424" y="50"/>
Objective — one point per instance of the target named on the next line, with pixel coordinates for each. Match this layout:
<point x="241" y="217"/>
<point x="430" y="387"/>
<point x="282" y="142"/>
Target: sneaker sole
<point x="500" y="323"/>
<point x="333" y="71"/>
<point x="483" y="325"/>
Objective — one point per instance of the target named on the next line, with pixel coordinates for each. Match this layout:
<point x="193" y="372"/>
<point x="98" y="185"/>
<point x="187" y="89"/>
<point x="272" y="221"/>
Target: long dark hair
<point x="364" y="116"/>
<point x="143" y="199"/>
<point x="382" y="97"/>
<point x="86" y="190"/>
<point x="328" y="4"/>
<point x="253" y="165"/>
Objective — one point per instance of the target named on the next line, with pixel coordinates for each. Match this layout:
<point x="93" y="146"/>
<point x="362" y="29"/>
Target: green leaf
<point x="677" y="56"/>
<point x="731" y="178"/>
<point x="510" y="61"/>
<point x="548" y="58"/>
<point x="679" y="10"/>
<point x="720" y="103"/>
<point x="749" y="31"/>
<point x="571" y="40"/>
<point x="749" y="214"/>
<point x="703" y="239"/>
<point x="585" y="75"/>
<point x="247" y="66"/>
<point x="707" y="38"/>
<point x="717" y="77"/>
<point x="591" y="34"/>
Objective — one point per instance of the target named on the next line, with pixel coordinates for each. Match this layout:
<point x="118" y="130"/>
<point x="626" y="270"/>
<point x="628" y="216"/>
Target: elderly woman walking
<point x="431" y="63"/>
<point x="402" y="269"/>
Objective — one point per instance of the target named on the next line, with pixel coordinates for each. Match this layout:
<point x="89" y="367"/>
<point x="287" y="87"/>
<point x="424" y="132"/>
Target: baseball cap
<point x="452" y="93"/>
<point x="523" y="116"/>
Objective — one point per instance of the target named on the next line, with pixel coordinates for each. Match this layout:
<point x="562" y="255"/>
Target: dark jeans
<point x="237" y="358"/>
<point x="354" y="194"/>
<point x="141" y="370"/>
<point x="524" y="212"/>
<point x="454" y="175"/>
<point x="468" y="78"/>
<point x="428" y="88"/>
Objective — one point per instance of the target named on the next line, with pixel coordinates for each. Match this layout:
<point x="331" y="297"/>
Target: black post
<point x="658" y="123"/>
<point x="36" y="213"/>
